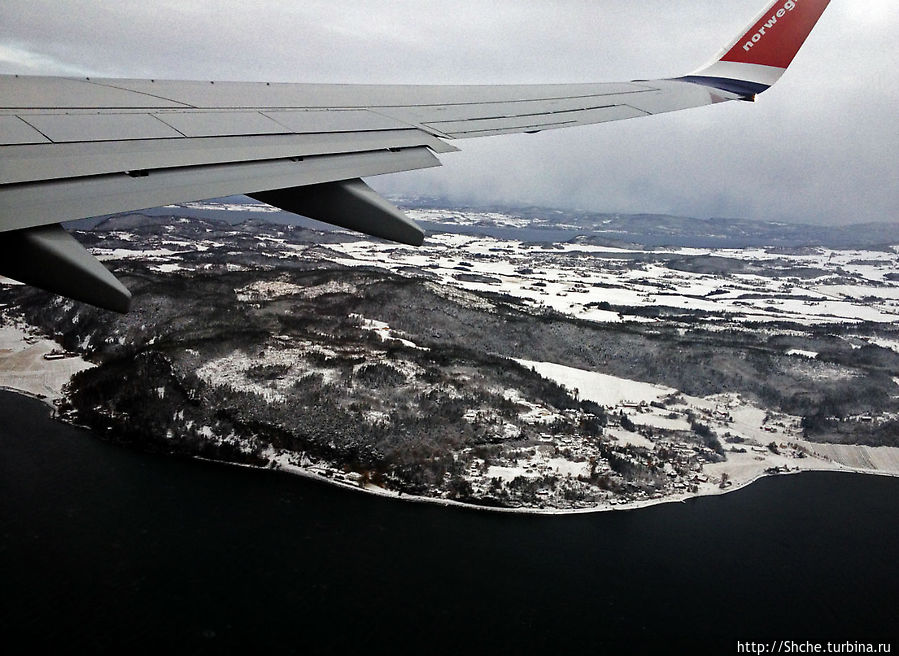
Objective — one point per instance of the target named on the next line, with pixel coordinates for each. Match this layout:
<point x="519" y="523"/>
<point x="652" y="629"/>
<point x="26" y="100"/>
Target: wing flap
<point x="29" y="163"/>
<point x="53" y="201"/>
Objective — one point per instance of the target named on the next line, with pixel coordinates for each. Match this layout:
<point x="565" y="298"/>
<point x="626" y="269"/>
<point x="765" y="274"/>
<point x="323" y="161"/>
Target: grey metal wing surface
<point x="72" y="148"/>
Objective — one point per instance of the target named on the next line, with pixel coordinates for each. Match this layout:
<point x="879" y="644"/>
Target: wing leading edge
<point x="75" y="148"/>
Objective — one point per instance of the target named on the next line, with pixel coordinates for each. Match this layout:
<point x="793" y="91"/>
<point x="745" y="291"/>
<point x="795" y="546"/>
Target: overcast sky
<point x="821" y="146"/>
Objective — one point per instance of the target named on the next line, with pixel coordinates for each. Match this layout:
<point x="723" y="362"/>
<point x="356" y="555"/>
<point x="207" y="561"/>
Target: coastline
<point x="24" y="370"/>
<point x="314" y="475"/>
<point x="635" y="505"/>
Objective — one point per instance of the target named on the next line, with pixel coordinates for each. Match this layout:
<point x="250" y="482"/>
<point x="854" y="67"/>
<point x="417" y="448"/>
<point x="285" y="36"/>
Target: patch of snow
<point x="382" y="330"/>
<point x="805" y="354"/>
<point x="330" y="287"/>
<point x="23" y="367"/>
<point x="603" y="389"/>
<point x="167" y="267"/>
<point x="633" y="439"/>
<point x="266" y="290"/>
<point x="125" y="253"/>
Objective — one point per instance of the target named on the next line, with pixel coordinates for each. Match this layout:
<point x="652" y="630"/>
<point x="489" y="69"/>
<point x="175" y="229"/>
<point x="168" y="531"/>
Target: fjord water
<point x="117" y="550"/>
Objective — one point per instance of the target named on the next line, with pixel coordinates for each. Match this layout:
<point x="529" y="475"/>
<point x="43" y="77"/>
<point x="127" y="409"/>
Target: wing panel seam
<point x="513" y="116"/>
<point x="142" y="93"/>
<point x="36" y="129"/>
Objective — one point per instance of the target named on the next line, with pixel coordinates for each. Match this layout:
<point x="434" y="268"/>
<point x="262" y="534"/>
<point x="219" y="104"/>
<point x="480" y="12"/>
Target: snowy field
<point x="601" y="388"/>
<point x="728" y="414"/>
<point x="604" y="283"/>
<point x="576" y="279"/>
<point x="24" y="368"/>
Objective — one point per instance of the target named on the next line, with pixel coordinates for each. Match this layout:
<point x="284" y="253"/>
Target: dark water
<point x="120" y="551"/>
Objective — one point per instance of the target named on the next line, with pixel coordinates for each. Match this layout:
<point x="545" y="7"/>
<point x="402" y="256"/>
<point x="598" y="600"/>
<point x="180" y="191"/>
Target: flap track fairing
<point x="349" y="204"/>
<point x="50" y="258"/>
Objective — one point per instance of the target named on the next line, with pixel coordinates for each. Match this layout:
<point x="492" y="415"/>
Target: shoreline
<point x="24" y="368"/>
<point x="313" y="475"/>
<point x="28" y="373"/>
<point x="636" y="505"/>
<point x="31" y="395"/>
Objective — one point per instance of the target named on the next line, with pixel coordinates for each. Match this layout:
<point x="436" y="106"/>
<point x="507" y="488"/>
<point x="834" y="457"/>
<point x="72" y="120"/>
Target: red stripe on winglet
<point x="775" y="39"/>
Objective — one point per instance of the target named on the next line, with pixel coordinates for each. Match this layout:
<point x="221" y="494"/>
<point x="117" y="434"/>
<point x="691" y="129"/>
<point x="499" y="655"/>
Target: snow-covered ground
<point x="234" y="207"/>
<point x="382" y="330"/>
<point x="575" y="279"/>
<point x="23" y="367"/>
<point x="595" y="283"/>
<point x="728" y="414"/>
<point x="235" y="370"/>
<point x="579" y="279"/>
<point x="601" y="388"/>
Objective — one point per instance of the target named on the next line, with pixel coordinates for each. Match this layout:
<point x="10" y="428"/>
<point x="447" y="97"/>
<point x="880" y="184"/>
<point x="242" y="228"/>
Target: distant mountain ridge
<point x="542" y="224"/>
<point x="669" y="230"/>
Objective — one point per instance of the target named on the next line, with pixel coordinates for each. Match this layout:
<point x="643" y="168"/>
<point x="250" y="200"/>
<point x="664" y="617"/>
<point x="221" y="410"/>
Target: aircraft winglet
<point x="759" y="56"/>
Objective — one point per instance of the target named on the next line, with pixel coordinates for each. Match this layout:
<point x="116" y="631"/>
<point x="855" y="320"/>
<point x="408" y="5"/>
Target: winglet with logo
<point x="759" y="56"/>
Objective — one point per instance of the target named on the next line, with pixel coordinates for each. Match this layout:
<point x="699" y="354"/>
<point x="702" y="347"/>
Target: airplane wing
<point x="74" y="148"/>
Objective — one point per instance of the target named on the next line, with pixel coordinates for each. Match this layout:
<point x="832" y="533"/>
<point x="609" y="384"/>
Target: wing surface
<point x="74" y="148"/>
